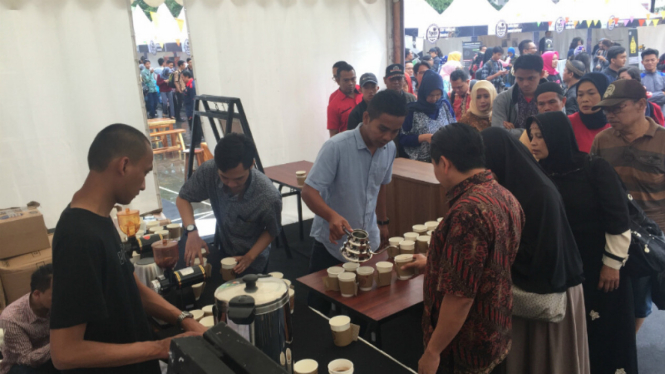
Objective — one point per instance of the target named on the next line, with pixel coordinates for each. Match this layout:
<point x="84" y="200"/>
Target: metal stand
<point x="231" y="108"/>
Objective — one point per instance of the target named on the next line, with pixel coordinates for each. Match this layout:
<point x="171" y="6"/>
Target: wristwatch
<point x="191" y="228"/>
<point x="383" y="223"/>
<point x="182" y="317"/>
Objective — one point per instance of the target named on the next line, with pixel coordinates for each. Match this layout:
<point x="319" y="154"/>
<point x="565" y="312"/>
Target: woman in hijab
<point x="451" y="65"/>
<point x="587" y="123"/>
<point x="479" y="115"/>
<point x="431" y="112"/>
<point x="550" y="62"/>
<point x="547" y="262"/>
<point x="598" y="215"/>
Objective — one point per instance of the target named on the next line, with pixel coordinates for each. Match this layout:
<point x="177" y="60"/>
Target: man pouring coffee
<point x="99" y="309"/>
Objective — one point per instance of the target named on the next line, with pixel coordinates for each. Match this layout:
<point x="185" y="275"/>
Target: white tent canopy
<point x="167" y="27"/>
<point x="418" y="14"/>
<point x="184" y="34"/>
<point x="623" y="9"/>
<point x="469" y="13"/>
<point x="144" y="30"/>
<point x="528" y="11"/>
<point x="582" y="10"/>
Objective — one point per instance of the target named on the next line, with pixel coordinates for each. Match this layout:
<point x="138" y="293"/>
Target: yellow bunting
<point x="155" y="18"/>
<point x="655" y="22"/>
<point x="181" y="23"/>
<point x="575" y="23"/>
<point x="177" y="41"/>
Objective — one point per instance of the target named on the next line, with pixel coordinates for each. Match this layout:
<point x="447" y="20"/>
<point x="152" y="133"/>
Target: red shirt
<point x="457" y="105"/>
<point x="470" y="256"/>
<point x="339" y="108"/>
<point x="583" y="134"/>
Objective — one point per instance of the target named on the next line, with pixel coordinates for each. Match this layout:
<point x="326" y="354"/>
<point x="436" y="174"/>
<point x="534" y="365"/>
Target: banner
<point x="633" y="51"/>
<point x="181" y="23"/>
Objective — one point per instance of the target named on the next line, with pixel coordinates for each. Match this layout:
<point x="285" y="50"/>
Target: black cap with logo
<point x="368" y="78"/>
<point x="622" y="90"/>
<point x="394" y="70"/>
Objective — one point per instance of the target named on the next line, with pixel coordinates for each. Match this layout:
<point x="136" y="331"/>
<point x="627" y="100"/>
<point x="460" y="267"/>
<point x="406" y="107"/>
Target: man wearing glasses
<point x="635" y="147"/>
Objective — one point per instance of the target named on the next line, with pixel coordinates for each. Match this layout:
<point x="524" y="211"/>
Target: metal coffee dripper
<point x="357" y="247"/>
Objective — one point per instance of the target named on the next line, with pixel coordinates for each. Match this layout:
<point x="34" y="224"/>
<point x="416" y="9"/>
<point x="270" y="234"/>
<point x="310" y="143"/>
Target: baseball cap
<point x="394" y="70"/>
<point x="368" y="78"/>
<point x="622" y="90"/>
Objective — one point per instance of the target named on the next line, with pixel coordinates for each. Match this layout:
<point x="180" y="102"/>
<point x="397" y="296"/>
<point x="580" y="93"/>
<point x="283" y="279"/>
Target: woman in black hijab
<point x="598" y="215"/>
<point x="547" y="262"/>
<point x="587" y="123"/>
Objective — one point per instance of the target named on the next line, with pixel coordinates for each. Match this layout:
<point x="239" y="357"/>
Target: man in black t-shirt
<point x="99" y="312"/>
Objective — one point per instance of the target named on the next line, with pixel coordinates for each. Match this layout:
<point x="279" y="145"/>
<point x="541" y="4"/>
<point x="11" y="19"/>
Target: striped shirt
<point x="640" y="164"/>
<point x="26" y="336"/>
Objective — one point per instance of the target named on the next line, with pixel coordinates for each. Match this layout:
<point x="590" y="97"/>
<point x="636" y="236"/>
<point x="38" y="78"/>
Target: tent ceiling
<point x="469" y="13"/>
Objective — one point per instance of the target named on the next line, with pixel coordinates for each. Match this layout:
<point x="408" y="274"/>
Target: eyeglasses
<point x="614" y="110"/>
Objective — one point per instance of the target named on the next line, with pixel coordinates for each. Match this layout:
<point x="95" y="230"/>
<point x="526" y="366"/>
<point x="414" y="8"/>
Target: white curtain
<point x="68" y="70"/>
<point x="277" y="57"/>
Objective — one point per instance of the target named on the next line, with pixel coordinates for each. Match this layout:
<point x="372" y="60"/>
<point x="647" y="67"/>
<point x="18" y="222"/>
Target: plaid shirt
<point x="490" y="68"/>
<point x="26" y="336"/>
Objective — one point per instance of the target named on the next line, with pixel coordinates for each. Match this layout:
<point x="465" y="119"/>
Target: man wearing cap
<point x="572" y="74"/>
<point x="635" y="147"/>
<point x="393" y="81"/>
<point x="369" y="86"/>
<point x="341" y="105"/>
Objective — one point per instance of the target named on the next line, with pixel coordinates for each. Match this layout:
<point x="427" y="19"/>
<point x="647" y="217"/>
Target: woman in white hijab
<point x="479" y="115"/>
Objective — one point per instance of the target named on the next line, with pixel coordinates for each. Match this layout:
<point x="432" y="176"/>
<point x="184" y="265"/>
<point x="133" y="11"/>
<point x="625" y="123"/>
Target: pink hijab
<point x="448" y="68"/>
<point x="547" y="62"/>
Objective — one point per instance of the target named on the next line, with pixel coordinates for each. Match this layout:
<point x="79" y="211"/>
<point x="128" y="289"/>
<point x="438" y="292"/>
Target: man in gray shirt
<point x="246" y="204"/>
<point x="652" y="79"/>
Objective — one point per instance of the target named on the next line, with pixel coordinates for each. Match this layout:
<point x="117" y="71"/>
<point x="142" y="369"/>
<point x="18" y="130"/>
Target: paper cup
<point x="423" y="243"/>
<point x="276" y="274"/>
<point x="175" y="230"/>
<point x="413" y="236"/>
<point x="365" y="278"/>
<point x="154" y="228"/>
<point x="228" y="264"/>
<point x="340" y="366"/>
<point x="207" y="310"/>
<point x="341" y="330"/>
<point x="334" y="271"/>
<point x="384" y="267"/>
<point x="301" y="176"/>
<point x="350" y="267"/>
<point x="198" y="262"/>
<point x="420" y="229"/>
<point x="198" y="290"/>
<point x="150" y="224"/>
<point x="347" y="284"/>
<point x="288" y="283"/>
<point x="208" y="321"/>
<point x="400" y="261"/>
<point x="393" y="248"/>
<point x="431" y="225"/>
<point x="163" y="233"/>
<point x="407" y="247"/>
<point x="306" y="366"/>
<point x="292" y="299"/>
<point x="198" y="314"/>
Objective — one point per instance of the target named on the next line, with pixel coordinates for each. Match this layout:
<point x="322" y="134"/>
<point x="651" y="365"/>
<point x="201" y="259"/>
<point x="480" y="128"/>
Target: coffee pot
<point x="357" y="246"/>
<point x="257" y="307"/>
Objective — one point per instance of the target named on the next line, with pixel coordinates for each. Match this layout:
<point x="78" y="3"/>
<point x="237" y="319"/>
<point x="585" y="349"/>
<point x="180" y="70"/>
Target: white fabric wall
<point x="277" y="57"/>
<point x="68" y="71"/>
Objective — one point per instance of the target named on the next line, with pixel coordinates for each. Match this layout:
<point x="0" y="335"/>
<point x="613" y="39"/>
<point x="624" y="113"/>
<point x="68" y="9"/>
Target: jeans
<point x="46" y="368"/>
<point x="168" y="104"/>
<point x="642" y="296"/>
<point x="151" y="100"/>
<point x="320" y="259"/>
<point x="179" y="98"/>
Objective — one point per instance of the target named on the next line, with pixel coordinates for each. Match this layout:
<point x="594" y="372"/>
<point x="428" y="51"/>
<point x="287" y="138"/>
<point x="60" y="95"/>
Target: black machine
<point x="175" y="286"/>
<point x="220" y="350"/>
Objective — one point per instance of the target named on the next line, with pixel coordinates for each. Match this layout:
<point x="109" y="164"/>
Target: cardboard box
<point x="15" y="272"/>
<point x="22" y="230"/>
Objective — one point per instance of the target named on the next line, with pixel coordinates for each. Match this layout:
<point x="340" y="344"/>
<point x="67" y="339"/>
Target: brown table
<point x="285" y="176"/>
<point x="414" y="196"/>
<point x="376" y="306"/>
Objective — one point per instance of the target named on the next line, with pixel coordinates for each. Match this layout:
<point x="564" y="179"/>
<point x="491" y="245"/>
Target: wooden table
<point x="414" y="196"/>
<point x="378" y="305"/>
<point x="285" y="176"/>
<point x="176" y="140"/>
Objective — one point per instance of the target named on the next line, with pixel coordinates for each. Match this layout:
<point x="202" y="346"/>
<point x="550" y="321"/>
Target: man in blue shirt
<point x="346" y="186"/>
<point x="652" y="79"/>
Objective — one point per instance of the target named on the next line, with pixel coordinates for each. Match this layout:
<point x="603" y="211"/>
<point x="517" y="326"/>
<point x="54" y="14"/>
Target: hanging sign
<point x="501" y="29"/>
<point x="611" y="24"/>
<point x="152" y="47"/>
<point x="633" y="52"/>
<point x="433" y="33"/>
<point x="560" y="25"/>
<point x="185" y="47"/>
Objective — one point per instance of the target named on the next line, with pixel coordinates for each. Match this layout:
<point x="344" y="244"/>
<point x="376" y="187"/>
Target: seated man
<point x="247" y="206"/>
<point x="26" y="324"/>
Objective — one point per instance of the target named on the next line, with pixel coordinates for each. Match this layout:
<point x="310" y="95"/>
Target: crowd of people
<point x="539" y="168"/>
<point x="171" y="84"/>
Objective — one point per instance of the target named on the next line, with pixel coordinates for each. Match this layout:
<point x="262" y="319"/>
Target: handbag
<point x="550" y="307"/>
<point x="646" y="254"/>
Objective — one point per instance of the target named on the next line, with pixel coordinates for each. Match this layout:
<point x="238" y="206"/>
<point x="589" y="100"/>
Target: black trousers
<point x="179" y="98"/>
